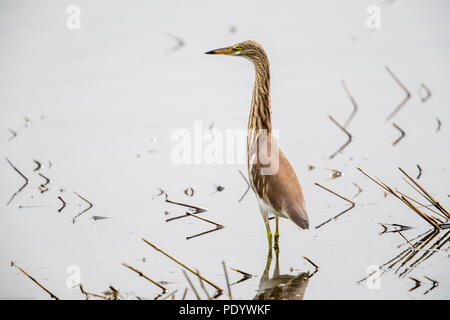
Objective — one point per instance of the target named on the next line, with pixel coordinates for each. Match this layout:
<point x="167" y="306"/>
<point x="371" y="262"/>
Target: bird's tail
<point x="299" y="216"/>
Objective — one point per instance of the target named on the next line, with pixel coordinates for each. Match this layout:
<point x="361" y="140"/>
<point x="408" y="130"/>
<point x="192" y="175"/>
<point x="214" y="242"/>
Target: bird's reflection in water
<point x="284" y="286"/>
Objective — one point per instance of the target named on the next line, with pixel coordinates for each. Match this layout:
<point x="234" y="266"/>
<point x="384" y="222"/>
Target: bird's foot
<point x="269" y="238"/>
<point x="276" y="238"/>
<point x="276" y="247"/>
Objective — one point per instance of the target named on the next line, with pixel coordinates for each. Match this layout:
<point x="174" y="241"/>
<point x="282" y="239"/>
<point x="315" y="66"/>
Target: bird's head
<point x="248" y="49"/>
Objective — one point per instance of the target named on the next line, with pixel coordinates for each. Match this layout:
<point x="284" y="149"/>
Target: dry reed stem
<point x="219" y="290"/>
<point x="184" y="293"/>
<point x="245" y="276"/>
<point x="349" y="137"/>
<point x="205" y="232"/>
<point x="35" y="281"/>
<point x="140" y="273"/>
<point x="203" y="286"/>
<point x="439" y="124"/>
<point x="403" y="102"/>
<point x="63" y="204"/>
<point x="338" y="195"/>
<point x="14" y="134"/>
<point x="22" y="187"/>
<point x="179" y="43"/>
<point x="403" y="199"/>
<point x="359" y="190"/>
<point x="248" y="185"/>
<point x="220" y="226"/>
<point x="417" y="284"/>
<point x="429" y="197"/>
<point x="47" y="180"/>
<point x="191" y="284"/>
<point x="428" y="96"/>
<point x="87" y="294"/>
<point x="420" y="172"/>
<point x="198" y="209"/>
<point x="316" y="267"/>
<point x="404" y="238"/>
<point x="226" y="278"/>
<point x="90" y="205"/>
<point x="424" y="206"/>
<point x="402" y="134"/>
<point x="435" y="284"/>
<point x="355" y="105"/>
<point x="39" y="165"/>
<point x="172" y="294"/>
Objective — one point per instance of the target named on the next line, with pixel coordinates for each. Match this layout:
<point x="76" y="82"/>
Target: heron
<point x="271" y="176"/>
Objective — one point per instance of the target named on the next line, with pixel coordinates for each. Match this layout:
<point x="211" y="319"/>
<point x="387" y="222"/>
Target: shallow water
<point x="104" y="100"/>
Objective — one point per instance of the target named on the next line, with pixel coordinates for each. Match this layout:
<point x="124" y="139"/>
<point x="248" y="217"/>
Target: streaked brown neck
<point x="260" y="112"/>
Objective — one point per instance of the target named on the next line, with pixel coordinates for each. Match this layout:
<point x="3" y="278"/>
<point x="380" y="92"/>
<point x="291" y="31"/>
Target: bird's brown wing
<point x="281" y="190"/>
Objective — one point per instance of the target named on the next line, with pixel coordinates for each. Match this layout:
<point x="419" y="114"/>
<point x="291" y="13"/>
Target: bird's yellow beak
<point x="227" y="50"/>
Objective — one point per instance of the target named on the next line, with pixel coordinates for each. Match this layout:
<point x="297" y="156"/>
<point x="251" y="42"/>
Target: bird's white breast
<point x="266" y="207"/>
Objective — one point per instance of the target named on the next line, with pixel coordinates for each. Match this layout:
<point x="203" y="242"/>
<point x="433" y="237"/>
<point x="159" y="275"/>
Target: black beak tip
<point x="209" y="52"/>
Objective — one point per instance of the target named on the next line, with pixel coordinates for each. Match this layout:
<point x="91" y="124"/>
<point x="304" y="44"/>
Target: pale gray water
<point x="101" y="97"/>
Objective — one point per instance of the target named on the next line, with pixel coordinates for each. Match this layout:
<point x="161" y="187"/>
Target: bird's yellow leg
<point x="277" y="235"/>
<point x="269" y="234"/>
<point x="269" y="238"/>
<point x="276" y="271"/>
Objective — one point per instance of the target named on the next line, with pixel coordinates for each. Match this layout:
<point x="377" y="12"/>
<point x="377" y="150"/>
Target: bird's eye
<point x="238" y="47"/>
